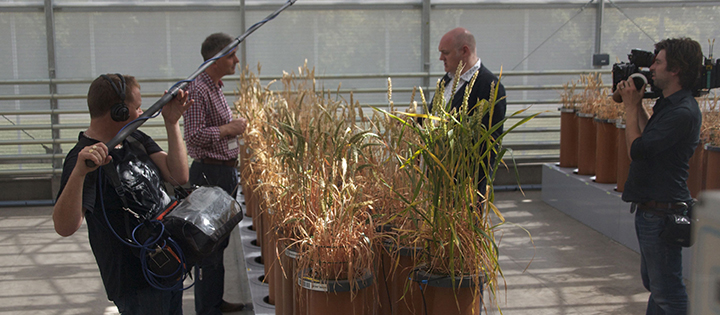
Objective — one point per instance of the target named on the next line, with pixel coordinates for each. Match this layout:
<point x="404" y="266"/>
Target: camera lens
<point x="639" y="80"/>
<point x="641" y="58"/>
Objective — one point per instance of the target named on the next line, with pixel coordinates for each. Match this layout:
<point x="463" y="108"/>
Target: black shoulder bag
<point x="678" y="226"/>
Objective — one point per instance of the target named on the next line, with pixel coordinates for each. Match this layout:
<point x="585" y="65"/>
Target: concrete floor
<point x="572" y="268"/>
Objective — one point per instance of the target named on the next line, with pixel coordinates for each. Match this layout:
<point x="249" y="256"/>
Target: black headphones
<point x="119" y="111"/>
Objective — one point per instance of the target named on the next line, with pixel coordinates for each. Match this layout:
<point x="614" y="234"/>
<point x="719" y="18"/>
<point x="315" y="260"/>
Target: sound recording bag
<point x="172" y="241"/>
<point x="202" y="221"/>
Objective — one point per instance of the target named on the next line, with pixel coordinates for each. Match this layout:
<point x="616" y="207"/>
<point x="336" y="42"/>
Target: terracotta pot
<point x="384" y="266"/>
<point x="299" y="300"/>
<point x="278" y="270"/>
<point x="405" y="296"/>
<point x="251" y="202"/>
<point x="242" y="158"/>
<point x="696" y="172"/>
<point x="712" y="168"/>
<point x="287" y="270"/>
<point x="246" y="181"/>
<point x="586" y="144"/>
<point x="257" y="221"/>
<point x="442" y="296"/>
<point x="568" y="138"/>
<point x="383" y="280"/>
<point x="265" y="242"/>
<point x="248" y="189"/>
<point x="606" y="147"/>
<point x="623" y="160"/>
<point x="334" y="296"/>
<point x="272" y="264"/>
<point x="249" y="210"/>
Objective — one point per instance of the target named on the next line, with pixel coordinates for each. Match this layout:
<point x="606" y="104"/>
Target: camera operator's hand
<point x="631" y="97"/>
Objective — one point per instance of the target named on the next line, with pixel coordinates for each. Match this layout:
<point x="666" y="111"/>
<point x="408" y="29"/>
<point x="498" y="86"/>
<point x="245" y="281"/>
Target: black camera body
<point x="641" y="59"/>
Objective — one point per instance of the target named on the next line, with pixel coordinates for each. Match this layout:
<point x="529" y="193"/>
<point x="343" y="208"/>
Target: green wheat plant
<point x="451" y="154"/>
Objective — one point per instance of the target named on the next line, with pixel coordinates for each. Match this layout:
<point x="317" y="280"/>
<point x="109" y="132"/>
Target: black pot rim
<point x="442" y="281"/>
<point x="324" y="285"/>
<point x="401" y="250"/>
<point x="709" y="147"/>
<point x="606" y="121"/>
<point x="384" y="228"/>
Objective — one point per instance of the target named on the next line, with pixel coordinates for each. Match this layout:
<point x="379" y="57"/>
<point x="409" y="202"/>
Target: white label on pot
<point x="312" y="285"/>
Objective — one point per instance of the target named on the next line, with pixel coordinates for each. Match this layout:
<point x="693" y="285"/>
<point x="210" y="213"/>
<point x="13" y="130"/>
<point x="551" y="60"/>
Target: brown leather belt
<point x="232" y="163"/>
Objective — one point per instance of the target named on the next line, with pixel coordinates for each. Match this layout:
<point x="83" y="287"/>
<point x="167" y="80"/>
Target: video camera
<point x="639" y="62"/>
<point x="638" y="69"/>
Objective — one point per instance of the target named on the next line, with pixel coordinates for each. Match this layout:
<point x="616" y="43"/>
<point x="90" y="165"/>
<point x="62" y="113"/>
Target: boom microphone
<point x="135" y="124"/>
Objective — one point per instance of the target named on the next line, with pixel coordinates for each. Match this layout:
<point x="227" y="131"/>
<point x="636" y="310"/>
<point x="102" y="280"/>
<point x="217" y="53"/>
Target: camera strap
<point x="112" y="174"/>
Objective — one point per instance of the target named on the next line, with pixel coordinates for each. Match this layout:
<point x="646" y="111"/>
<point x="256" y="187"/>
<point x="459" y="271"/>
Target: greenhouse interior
<point x="478" y="156"/>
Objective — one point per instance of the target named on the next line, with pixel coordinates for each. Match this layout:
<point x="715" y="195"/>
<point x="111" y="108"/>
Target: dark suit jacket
<point x="481" y="90"/>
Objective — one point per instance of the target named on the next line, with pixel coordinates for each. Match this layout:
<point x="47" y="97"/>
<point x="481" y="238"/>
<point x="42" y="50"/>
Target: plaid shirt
<point x="203" y="119"/>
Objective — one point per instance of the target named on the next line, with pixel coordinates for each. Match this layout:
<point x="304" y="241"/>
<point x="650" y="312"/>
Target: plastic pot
<point x="712" y="170"/>
<point x="586" y="144"/>
<point x="568" y="138"/>
<point x="405" y="297"/>
<point x="334" y="296"/>
<point x="696" y="171"/>
<point x="623" y="160"/>
<point x="443" y="296"/>
<point x="606" y="147"/>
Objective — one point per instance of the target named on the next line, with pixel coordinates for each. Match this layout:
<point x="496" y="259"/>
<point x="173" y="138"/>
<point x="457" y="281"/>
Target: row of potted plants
<point x="591" y="128"/>
<point x="388" y="212"/>
<point x="592" y="137"/>
<point x="704" y="171"/>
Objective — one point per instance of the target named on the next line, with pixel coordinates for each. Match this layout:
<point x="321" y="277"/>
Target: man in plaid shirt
<point x="211" y="134"/>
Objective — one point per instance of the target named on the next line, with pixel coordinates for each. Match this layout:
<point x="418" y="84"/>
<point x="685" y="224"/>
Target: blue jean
<point x="660" y="267"/>
<point x="150" y="301"/>
<point x="210" y="272"/>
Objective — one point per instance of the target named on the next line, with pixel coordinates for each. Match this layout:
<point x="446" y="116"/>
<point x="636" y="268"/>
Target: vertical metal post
<point x="599" y="26"/>
<point x="243" y="51"/>
<point x="425" y="42"/>
<point x="54" y="118"/>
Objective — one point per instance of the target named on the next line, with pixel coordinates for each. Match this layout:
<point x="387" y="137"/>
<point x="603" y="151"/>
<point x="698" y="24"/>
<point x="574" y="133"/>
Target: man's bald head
<point x="456" y="45"/>
<point x="462" y="37"/>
